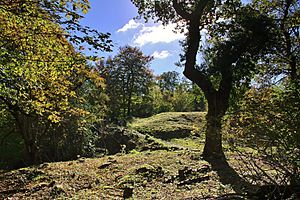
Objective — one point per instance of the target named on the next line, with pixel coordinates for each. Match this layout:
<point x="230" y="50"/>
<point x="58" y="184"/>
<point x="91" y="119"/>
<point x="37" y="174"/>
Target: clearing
<point x="172" y="170"/>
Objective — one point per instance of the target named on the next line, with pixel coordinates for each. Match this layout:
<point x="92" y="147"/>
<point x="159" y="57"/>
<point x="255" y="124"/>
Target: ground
<point x="176" y="172"/>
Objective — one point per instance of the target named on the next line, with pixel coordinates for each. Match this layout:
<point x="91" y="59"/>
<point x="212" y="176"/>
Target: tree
<point x="267" y="117"/>
<point x="183" y="98"/>
<point x="128" y="77"/>
<point x="286" y="16"/>
<point x="229" y="62"/>
<point x="224" y="60"/>
<point x="40" y="70"/>
<point x="168" y="81"/>
<point x="158" y="102"/>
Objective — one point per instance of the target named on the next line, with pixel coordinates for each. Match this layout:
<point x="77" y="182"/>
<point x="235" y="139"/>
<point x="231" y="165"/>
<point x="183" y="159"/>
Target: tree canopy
<point x="128" y="78"/>
<point x="41" y="67"/>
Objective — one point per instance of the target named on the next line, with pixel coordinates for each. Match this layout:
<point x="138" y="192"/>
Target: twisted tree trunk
<point x="218" y="99"/>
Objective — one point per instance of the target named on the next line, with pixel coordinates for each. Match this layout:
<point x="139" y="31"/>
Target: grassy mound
<point x="165" y="131"/>
<point x="170" y="124"/>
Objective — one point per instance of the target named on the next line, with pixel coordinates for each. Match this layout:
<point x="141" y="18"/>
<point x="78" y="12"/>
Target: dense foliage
<point x="41" y="72"/>
<point x="268" y="122"/>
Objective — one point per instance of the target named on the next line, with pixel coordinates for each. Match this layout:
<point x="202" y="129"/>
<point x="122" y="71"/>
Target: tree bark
<point x="213" y="138"/>
<point x="24" y="124"/>
<point x="213" y="135"/>
<point x="129" y="104"/>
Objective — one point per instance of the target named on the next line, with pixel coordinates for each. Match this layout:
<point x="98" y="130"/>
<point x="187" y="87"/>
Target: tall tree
<point x="229" y="61"/>
<point x="168" y="81"/>
<point x="128" y="77"/>
<point x="241" y="36"/>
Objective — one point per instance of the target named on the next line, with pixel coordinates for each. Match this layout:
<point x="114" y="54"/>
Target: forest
<point x="76" y="125"/>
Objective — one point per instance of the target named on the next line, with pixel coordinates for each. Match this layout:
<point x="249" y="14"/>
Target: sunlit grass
<point x="170" y="124"/>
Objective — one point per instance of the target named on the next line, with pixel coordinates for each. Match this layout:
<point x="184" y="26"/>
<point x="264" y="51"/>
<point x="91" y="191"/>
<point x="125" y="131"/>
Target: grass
<point x="170" y="124"/>
<point x="154" y="173"/>
<point x="193" y="143"/>
<point x="87" y="179"/>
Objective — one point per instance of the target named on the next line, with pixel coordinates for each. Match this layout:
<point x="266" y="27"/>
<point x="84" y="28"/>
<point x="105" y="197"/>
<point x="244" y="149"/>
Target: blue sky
<point x="116" y="17"/>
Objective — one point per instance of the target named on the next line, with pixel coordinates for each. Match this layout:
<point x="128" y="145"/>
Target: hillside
<point x="171" y="124"/>
<point x="176" y="172"/>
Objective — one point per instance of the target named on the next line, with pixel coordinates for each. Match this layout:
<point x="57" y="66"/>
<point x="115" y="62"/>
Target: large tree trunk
<point x="213" y="139"/>
<point x="213" y="135"/>
<point x="25" y="125"/>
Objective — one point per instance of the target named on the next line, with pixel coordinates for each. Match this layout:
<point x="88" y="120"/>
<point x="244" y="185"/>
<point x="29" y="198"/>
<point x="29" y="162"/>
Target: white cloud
<point x="130" y="25"/>
<point x="161" y="54"/>
<point x="157" y="34"/>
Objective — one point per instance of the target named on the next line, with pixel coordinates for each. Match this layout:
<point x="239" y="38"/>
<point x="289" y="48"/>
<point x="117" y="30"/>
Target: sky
<point x="117" y="18"/>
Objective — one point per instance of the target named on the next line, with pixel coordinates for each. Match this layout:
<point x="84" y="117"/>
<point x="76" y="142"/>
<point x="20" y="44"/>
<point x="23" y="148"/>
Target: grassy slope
<point x="163" y="174"/>
<point x="106" y="178"/>
<point x="171" y="124"/>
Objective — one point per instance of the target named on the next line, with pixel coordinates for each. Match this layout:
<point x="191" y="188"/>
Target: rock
<point x="183" y="173"/>
<point x="187" y="176"/>
<point x="193" y="180"/>
<point x="81" y="160"/>
<point x="150" y="172"/>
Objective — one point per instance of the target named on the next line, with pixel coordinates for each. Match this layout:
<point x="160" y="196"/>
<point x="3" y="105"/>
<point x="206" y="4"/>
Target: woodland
<point x="78" y="126"/>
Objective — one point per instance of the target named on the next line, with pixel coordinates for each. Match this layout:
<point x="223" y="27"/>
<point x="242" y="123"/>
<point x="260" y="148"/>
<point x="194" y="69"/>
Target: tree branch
<point x="194" y="39"/>
<point x="198" y="12"/>
<point x="185" y="15"/>
<point x="190" y="71"/>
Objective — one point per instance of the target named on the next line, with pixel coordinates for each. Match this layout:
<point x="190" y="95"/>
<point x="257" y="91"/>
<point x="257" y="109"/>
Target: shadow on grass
<point x="229" y="176"/>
